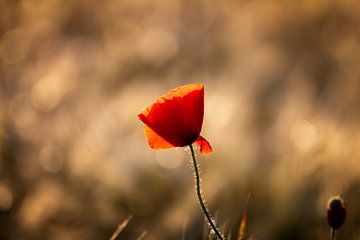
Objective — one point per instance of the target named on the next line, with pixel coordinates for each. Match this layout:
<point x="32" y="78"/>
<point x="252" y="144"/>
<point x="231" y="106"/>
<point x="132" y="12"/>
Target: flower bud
<point x="336" y="212"/>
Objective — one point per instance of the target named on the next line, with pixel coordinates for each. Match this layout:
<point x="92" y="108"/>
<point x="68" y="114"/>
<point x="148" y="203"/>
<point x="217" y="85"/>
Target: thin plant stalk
<point x="201" y="201"/>
<point x="333" y="237"/>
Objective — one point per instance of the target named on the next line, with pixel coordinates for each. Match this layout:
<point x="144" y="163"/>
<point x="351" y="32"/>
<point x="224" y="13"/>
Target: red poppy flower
<point x="175" y="119"/>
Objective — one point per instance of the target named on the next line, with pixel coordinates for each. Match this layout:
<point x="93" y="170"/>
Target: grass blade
<point x="243" y="223"/>
<point x="120" y="228"/>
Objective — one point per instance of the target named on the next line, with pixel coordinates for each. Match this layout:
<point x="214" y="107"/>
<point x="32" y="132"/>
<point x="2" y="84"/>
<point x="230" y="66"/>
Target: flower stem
<point x="201" y="201"/>
<point x="333" y="234"/>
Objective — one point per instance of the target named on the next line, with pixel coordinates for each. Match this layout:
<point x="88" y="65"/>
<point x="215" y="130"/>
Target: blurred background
<point x="282" y="97"/>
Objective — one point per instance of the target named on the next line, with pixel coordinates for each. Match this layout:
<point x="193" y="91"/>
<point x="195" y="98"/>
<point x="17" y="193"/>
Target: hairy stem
<point x="333" y="234"/>
<point x="198" y="192"/>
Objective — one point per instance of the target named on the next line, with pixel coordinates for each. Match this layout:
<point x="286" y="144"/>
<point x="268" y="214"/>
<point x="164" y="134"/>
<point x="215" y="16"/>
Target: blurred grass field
<point x="282" y="97"/>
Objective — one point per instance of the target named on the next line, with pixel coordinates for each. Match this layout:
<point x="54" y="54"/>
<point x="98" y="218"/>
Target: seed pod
<point x="336" y="212"/>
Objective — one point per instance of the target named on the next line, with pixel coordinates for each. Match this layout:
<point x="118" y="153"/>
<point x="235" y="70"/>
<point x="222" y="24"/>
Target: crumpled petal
<point x="204" y="145"/>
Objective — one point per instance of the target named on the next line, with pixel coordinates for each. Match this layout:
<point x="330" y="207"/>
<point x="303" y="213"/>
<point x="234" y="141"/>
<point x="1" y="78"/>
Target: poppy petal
<point x="204" y="145"/>
<point x="155" y="141"/>
<point x="178" y="115"/>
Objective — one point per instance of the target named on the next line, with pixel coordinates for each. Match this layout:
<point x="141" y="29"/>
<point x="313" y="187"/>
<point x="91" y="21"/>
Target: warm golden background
<point x="282" y="100"/>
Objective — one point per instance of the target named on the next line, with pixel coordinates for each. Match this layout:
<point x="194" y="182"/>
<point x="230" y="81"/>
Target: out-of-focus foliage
<point x="282" y="113"/>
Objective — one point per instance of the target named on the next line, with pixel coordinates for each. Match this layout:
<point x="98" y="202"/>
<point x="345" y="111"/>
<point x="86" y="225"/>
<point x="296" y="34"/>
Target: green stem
<point x="198" y="192"/>
<point x="333" y="234"/>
